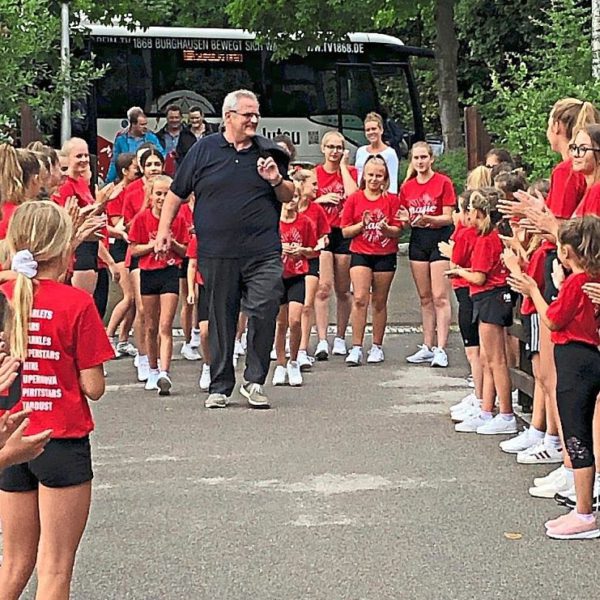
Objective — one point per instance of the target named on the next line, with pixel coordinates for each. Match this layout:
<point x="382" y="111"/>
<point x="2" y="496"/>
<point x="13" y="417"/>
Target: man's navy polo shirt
<point x="237" y="212"/>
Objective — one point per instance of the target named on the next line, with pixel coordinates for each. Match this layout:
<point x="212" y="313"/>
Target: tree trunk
<point x="446" y="58"/>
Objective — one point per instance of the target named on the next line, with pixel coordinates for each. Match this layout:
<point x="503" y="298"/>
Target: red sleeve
<point x="138" y="233"/>
<point x="92" y="347"/>
<point x="323" y="227"/>
<point x="448" y="195"/>
<point x="394" y="206"/>
<point x="65" y="191"/>
<point x="192" y="249"/>
<point x="460" y="252"/>
<point x="484" y="256"/>
<point x="567" y="189"/>
<point x="181" y="231"/>
<point x="354" y="172"/>
<point x="563" y="310"/>
<point x="114" y="208"/>
<point x="310" y="234"/>
<point x="348" y="217"/>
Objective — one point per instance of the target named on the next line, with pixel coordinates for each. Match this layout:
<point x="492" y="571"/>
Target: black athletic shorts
<point x="202" y="304"/>
<point x="469" y="328"/>
<point x="531" y="328"/>
<point x="134" y="263"/>
<point x="550" y="292"/>
<point x="493" y="307"/>
<point x="159" y="281"/>
<point x="118" y="250"/>
<point x="86" y="257"/>
<point x="338" y="244"/>
<point x="378" y="263"/>
<point x="294" y="289"/>
<point x="183" y="268"/>
<point x="313" y="266"/>
<point x="63" y="463"/>
<point x="423" y="245"/>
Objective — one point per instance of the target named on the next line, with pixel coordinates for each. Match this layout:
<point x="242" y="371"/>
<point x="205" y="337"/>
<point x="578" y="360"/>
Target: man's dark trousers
<point x="256" y="284"/>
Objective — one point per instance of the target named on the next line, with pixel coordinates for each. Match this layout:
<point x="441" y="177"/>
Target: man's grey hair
<point x="232" y="99"/>
<point x="134" y="113"/>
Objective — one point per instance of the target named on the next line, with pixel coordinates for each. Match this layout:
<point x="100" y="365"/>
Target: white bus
<point x="333" y="87"/>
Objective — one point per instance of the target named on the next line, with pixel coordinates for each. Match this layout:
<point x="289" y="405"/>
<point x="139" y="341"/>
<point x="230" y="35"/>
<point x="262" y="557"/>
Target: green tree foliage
<point x="559" y="66"/>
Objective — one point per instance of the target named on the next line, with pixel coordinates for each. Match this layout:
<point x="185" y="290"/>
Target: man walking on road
<point x="239" y="180"/>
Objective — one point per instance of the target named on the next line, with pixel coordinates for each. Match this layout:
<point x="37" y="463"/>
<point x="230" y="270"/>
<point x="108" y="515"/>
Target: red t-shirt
<point x="315" y="213"/>
<point x="535" y="269"/>
<point x="487" y="258"/>
<point x="462" y="252"/>
<point x="192" y="252"/>
<point x="333" y="183"/>
<point x="74" y="187"/>
<point x="114" y="207"/>
<point x="8" y="210"/>
<point x="371" y="240"/>
<point x="428" y="198"/>
<point x="567" y="188"/>
<point x="574" y="313"/>
<point x="590" y="204"/>
<point x="144" y="229"/>
<point x="300" y="231"/>
<point x="133" y="200"/>
<point x="66" y="336"/>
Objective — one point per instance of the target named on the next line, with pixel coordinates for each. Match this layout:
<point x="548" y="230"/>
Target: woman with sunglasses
<point x="374" y="133"/>
<point x="336" y="180"/>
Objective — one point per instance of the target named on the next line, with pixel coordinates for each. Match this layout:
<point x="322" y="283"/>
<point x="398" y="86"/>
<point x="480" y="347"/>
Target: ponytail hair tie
<point x="24" y="263"/>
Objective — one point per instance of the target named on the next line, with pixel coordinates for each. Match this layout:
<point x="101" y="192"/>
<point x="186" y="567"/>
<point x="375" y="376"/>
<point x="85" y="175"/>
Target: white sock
<point x="163" y="374"/>
<point x="569" y="476"/>
<point x="536" y="434"/>
<point x="143" y="358"/>
<point x="552" y="441"/>
<point x="154" y="372"/>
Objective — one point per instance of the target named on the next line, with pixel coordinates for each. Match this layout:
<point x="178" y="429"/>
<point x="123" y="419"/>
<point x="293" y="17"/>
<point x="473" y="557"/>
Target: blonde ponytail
<point x="11" y="176"/>
<point x="22" y="303"/>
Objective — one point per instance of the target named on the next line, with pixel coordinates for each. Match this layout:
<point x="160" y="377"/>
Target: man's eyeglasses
<point x="580" y="151"/>
<point x="247" y="115"/>
<point x="332" y="147"/>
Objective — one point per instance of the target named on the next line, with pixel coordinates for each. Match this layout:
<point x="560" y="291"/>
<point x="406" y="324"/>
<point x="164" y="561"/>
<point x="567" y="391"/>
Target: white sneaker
<point x="539" y="454"/>
<point x="375" y="355"/>
<point x="190" y="353"/>
<point x="239" y="348"/>
<point x="151" y="381"/>
<point x="339" y="347"/>
<point x="470" y="425"/>
<point x="293" y="373"/>
<point x="143" y="369"/>
<point x="195" y="339"/>
<point x="304" y="361"/>
<point x="322" y="351"/>
<point x="470" y="381"/>
<point x="244" y="341"/>
<point x="279" y="375"/>
<point x="499" y="426"/>
<point x="542" y="481"/>
<point x="470" y="400"/>
<point x="354" y="358"/>
<point x="558" y="485"/>
<point x="204" y="381"/>
<point x="136" y="361"/>
<point x="272" y="356"/>
<point x="164" y="384"/>
<point x="466" y="413"/>
<point x="440" y="358"/>
<point x="515" y="397"/>
<point x="520" y="442"/>
<point x="287" y="347"/>
<point x="422" y="355"/>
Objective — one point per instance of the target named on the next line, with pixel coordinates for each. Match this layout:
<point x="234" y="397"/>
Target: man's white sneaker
<point x="558" y="485"/>
<point x="470" y="400"/>
<point x="520" y="442"/>
<point x="375" y="355"/>
<point x="143" y="369"/>
<point x="470" y="425"/>
<point x="498" y="426"/>
<point x="279" y="375"/>
<point x="440" y="358"/>
<point x="190" y="353"/>
<point x="195" y="338"/>
<point x="151" y="381"/>
<point x="539" y="455"/>
<point x="541" y="481"/>
<point x="322" y="351"/>
<point x="204" y="381"/>
<point x="354" y="358"/>
<point x="216" y="401"/>
<point x="164" y="384"/>
<point x="339" y="347"/>
<point x="305" y="361"/>
<point x="466" y="413"/>
<point x="293" y="373"/>
<point x="422" y="355"/>
<point x="238" y="348"/>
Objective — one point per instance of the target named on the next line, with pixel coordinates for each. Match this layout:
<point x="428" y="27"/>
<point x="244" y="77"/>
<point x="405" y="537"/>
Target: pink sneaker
<point x="571" y="527"/>
<point x="555" y="522"/>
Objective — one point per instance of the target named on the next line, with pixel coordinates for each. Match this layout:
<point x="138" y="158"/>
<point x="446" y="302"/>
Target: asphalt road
<point x="354" y="487"/>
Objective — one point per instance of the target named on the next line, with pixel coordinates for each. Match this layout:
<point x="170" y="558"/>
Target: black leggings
<point x="577" y="387"/>
<point x="101" y="292"/>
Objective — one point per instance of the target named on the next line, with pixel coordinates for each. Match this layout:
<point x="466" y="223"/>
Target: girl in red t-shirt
<point x="336" y="180"/>
<point x="370" y="220"/>
<point x="573" y="320"/>
<point x="298" y="240"/>
<point x="428" y="200"/>
<point x="159" y="281"/>
<point x="492" y="306"/>
<point x="59" y="338"/>
<point x="307" y="188"/>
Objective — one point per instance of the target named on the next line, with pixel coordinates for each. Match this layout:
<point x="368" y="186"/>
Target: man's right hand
<point x="162" y="243"/>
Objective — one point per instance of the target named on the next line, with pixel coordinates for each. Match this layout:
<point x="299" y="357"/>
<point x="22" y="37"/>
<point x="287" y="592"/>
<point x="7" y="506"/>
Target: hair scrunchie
<point x="24" y="263"/>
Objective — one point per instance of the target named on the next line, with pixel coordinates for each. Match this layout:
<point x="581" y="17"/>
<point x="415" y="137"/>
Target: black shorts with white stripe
<point x="531" y="325"/>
